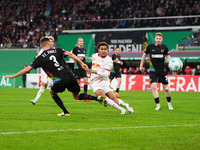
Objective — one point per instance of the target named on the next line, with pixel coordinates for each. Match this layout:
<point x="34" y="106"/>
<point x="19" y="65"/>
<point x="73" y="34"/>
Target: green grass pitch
<point x="24" y="126"/>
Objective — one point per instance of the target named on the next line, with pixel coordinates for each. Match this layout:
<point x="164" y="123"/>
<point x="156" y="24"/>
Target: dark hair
<point x="102" y="44"/>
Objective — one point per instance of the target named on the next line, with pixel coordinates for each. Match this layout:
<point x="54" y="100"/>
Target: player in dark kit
<point x="52" y="62"/>
<point x="115" y="71"/>
<point x="157" y="72"/>
<point x="79" y="72"/>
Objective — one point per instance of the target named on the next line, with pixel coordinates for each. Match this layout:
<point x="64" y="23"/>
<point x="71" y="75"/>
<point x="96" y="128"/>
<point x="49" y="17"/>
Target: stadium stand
<point x="188" y="70"/>
<point x="23" y="22"/>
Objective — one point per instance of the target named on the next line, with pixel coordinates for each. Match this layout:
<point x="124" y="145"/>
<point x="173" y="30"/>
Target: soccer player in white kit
<point x="100" y="82"/>
<point x="45" y="80"/>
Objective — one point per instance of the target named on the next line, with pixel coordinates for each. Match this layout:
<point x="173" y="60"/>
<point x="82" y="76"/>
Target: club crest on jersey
<point x="162" y="50"/>
<point x="95" y="65"/>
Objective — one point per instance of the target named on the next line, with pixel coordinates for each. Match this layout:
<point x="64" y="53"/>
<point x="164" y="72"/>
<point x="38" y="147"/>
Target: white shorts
<point x="46" y="79"/>
<point x="103" y="85"/>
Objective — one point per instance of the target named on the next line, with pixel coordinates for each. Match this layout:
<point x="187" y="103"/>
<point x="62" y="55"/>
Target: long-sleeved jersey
<point x="103" y="66"/>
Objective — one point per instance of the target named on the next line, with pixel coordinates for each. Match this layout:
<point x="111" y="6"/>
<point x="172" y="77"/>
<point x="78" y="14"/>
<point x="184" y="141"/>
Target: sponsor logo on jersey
<point x="81" y="55"/>
<point x="95" y="65"/>
<point x="156" y="55"/>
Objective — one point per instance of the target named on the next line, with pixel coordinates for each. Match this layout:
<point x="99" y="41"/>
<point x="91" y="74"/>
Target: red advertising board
<point x="182" y="83"/>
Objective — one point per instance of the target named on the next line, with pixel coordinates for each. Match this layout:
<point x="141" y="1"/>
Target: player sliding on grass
<point x="100" y="83"/>
<point x="52" y="62"/>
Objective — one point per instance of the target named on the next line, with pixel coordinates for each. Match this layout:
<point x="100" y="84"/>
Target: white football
<point x="175" y="65"/>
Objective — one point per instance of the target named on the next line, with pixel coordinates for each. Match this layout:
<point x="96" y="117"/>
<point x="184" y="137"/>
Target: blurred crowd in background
<point x="24" y="22"/>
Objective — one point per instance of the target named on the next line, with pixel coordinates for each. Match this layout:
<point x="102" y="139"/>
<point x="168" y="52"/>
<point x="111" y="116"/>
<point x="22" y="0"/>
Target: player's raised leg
<point x="128" y="107"/>
<point x="110" y="102"/>
<point x="120" y="102"/>
<point x="85" y="96"/>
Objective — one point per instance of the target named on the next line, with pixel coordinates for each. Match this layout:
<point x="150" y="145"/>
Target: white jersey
<point x="103" y="66"/>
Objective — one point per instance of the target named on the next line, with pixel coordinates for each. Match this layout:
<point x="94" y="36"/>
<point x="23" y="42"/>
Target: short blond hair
<point x="43" y="41"/>
<point x="51" y="38"/>
<point x="159" y="34"/>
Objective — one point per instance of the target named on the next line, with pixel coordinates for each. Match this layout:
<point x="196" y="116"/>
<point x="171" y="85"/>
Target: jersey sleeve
<point x="36" y="63"/>
<point x="113" y="57"/>
<point x="74" y="51"/>
<point x="167" y="51"/>
<point x="147" y="50"/>
<point x="61" y="52"/>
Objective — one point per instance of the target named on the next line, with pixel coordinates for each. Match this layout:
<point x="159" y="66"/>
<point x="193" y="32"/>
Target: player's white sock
<point x="114" y="105"/>
<point x="128" y="107"/>
<point x="40" y="92"/>
<point x="122" y="103"/>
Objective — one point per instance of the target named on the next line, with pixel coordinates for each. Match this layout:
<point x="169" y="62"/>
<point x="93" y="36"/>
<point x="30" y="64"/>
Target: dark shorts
<point x="80" y="73"/>
<point x="115" y="75"/>
<point x="160" y="77"/>
<point x="68" y="81"/>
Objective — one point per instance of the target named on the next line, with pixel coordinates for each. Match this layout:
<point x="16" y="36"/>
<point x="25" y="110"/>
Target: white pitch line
<point x="87" y="102"/>
<point x="93" y="129"/>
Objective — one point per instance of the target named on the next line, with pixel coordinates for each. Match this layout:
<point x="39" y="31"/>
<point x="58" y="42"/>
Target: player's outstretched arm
<point x="92" y="71"/>
<point x="100" y="72"/>
<point x="23" y="71"/>
<point x="71" y="55"/>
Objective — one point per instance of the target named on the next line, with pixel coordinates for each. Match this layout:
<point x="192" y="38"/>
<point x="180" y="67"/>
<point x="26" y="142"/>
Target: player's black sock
<point x="117" y="90"/>
<point x="156" y="100"/>
<point x="85" y="88"/>
<point x="60" y="103"/>
<point x="168" y="99"/>
<point x="87" y="96"/>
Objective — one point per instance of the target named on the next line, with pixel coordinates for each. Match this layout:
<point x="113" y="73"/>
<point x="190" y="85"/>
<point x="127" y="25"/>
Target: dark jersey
<point x="79" y="52"/>
<point x="157" y="57"/>
<point x="52" y="62"/>
<point x="117" y="64"/>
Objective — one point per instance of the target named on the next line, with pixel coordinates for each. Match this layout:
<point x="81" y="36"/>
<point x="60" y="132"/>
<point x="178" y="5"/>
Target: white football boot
<point x="62" y="114"/>
<point x="129" y="108"/>
<point x="170" y="106"/>
<point x="123" y="112"/>
<point x="33" y="102"/>
<point x="158" y="107"/>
